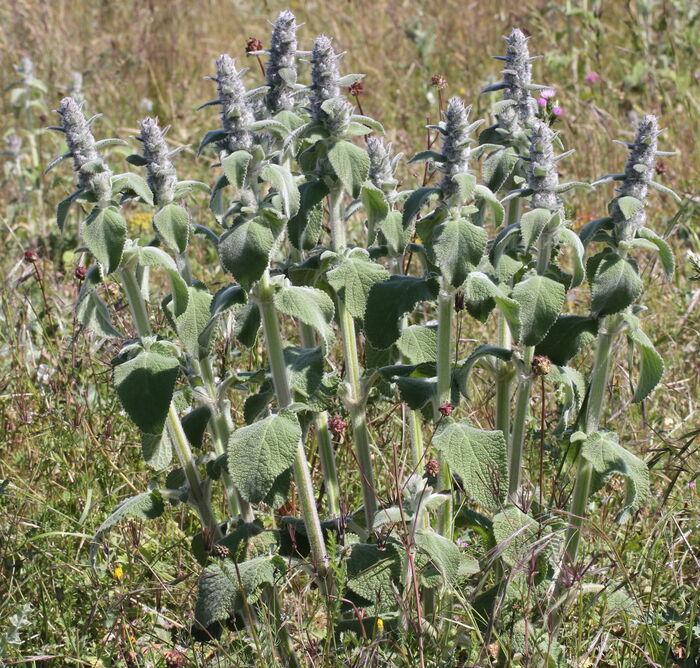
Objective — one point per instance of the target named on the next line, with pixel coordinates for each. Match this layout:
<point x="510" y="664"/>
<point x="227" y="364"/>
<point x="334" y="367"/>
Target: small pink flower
<point x="557" y="111"/>
<point x="592" y="77"/>
<point x="691" y="484"/>
<point x="542" y="102"/>
<point x="548" y="93"/>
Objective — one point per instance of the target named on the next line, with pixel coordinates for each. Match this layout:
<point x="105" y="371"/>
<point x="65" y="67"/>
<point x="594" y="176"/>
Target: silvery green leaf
<point x="195" y="424"/>
<point x="589" y="230"/>
<point x="194" y="320"/>
<point x="418" y="344"/>
<point x="210" y="137"/>
<point x="422" y="156"/>
<point x="56" y="161"/>
<point x="416" y="392"/>
<point x="132" y="185"/>
<point x="351" y="165"/>
<point x="375" y="205"/>
<point x="137" y="160"/>
<point x="374" y="573"/>
<point x="247" y="324"/>
<point x="283" y="181"/>
<point x="629" y="206"/>
<point x="222" y="594"/>
<point x="349" y="79"/>
<point x="352" y="279"/>
<point x="616" y="284"/>
<point x="532" y="224"/>
<point x="651" y="363"/>
<point x="304" y="368"/>
<point x="480" y="286"/>
<point x="150" y="256"/>
<point x="260" y="452"/>
<point x="483" y="193"/>
<point x="157" y="450"/>
<point x="516" y="534"/>
<point x="541" y="300"/>
<point x="567" y="337"/>
<point x="357" y="130"/>
<point x="458" y="246"/>
<point x="110" y="142"/>
<point x="466" y="184"/>
<point x="146" y="505"/>
<point x="395" y="236"/>
<point x="503" y="241"/>
<point x="442" y="553"/>
<point x="391" y="515"/>
<point x="668" y="262"/>
<point x="565" y="187"/>
<point x="184" y="188"/>
<point x="479" y="458"/>
<point x="304" y="228"/>
<point x="665" y="190"/>
<point x="370" y="122"/>
<point x="608" y="457"/>
<point x="388" y="301"/>
<point x="572" y="240"/>
<point x="104" y="232"/>
<point x="173" y="224"/>
<point x="245" y="249"/>
<point x="571" y="390"/>
<point x="498" y="167"/>
<point x="145" y="385"/>
<point x="415" y="202"/>
<point x="463" y="373"/>
<point x="91" y="311"/>
<point x="235" y="167"/>
<point x="271" y="125"/>
<point x="313" y="307"/>
<point x="63" y="208"/>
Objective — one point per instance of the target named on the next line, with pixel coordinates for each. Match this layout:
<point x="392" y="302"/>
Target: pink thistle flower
<point x="548" y="93"/>
<point x="542" y="102"/>
<point x="592" y="77"/>
<point x="557" y="111"/>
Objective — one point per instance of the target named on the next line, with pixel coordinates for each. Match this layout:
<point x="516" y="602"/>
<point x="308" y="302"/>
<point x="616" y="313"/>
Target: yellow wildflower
<point x="140" y="222"/>
<point x="118" y="573"/>
<point x="380" y="625"/>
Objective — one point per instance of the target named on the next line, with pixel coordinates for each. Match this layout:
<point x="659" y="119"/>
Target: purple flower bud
<point x="548" y="93"/>
<point x="542" y="102"/>
<point x="592" y="77"/>
<point x="557" y="111"/>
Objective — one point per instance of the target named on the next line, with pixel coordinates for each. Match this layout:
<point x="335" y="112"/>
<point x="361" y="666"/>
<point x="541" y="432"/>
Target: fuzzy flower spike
<point x="236" y="112"/>
<point x="541" y="169"/>
<point x="89" y="165"/>
<point x="161" y="172"/>
<point x="281" y="71"/>
<point x="455" y="145"/>
<point x="518" y="109"/>
<point x="324" y="77"/>
<point x="637" y="178"/>
<point x="381" y="164"/>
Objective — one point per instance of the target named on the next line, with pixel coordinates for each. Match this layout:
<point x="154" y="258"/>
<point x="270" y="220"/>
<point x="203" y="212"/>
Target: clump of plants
<point x="345" y="297"/>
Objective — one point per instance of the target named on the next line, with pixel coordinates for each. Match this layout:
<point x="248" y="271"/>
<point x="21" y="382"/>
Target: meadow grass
<point x="68" y="454"/>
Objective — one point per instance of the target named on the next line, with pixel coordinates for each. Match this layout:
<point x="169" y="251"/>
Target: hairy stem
<point x="221" y="433"/>
<point x="302" y="473"/>
<point x="522" y="400"/>
<point x="354" y="399"/>
<point x="324" y="442"/>
<point x="137" y="306"/>
<point x="444" y="383"/>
